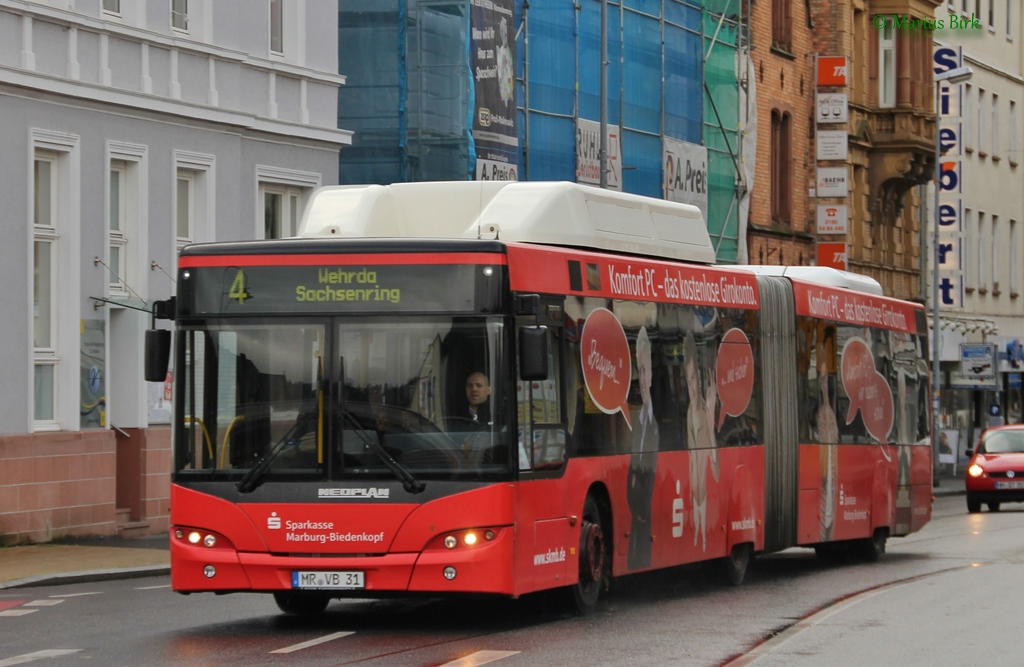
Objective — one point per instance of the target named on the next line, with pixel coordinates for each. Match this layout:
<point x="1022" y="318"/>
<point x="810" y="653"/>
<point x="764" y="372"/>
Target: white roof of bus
<point x="552" y="213"/>
<point x="822" y="275"/>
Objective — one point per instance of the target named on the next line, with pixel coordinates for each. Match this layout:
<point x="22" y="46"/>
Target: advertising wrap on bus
<point x="364" y="417"/>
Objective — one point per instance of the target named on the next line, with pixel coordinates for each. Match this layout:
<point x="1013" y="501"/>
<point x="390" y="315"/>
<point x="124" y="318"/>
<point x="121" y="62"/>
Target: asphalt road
<point x="938" y="597"/>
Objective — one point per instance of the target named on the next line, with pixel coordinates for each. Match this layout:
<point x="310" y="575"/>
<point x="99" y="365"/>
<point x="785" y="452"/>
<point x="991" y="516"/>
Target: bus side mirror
<point x="533" y="353"/>
<point x="158" y="353"/>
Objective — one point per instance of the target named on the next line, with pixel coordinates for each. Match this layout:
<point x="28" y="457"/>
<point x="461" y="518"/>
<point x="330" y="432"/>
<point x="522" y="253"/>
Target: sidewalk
<point x="125" y="558"/>
<point x="83" y="560"/>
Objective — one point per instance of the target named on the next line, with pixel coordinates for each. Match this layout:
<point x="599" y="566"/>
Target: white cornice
<point x="75" y="20"/>
<point x="176" y="108"/>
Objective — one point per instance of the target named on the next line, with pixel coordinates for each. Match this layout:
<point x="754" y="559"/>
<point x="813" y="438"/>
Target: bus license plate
<point x="328" y="581"/>
<point x="1010" y="485"/>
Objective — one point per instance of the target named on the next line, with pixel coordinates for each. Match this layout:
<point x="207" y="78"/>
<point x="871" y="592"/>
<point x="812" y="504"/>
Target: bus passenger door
<point x="545" y="545"/>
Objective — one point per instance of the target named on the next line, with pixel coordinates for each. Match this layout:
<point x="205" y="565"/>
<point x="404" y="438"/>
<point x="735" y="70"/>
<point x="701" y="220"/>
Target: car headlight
<point x="975" y="470"/>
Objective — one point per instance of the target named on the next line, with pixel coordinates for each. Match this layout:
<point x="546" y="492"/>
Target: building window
<point x="992" y="15"/>
<point x="1014" y="264"/>
<point x="1011" y="144"/>
<point x="185" y="213"/>
<point x="44" y="307"/>
<point x="968" y="117"/>
<point x="281" y="193"/>
<point x="112" y="6"/>
<point x="118" y="239"/>
<point x="1009" y="19"/>
<point x="994" y="264"/>
<point x="277" y="26"/>
<point x="979" y="260"/>
<point x="179" y="15"/>
<point x="781" y="162"/>
<point x="996" y="140"/>
<point x="782" y="18"/>
<point x="194" y="188"/>
<point x="982" y="124"/>
<point x="280" y="211"/>
<point x="887" y="66"/>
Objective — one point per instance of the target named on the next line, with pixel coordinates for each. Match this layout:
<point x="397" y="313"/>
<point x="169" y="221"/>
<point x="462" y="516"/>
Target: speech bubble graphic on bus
<point x="606" y="368"/>
<point x="735" y="374"/>
<point x="868" y="391"/>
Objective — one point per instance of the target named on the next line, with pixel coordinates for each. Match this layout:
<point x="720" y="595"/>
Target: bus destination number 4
<point x="328" y="581"/>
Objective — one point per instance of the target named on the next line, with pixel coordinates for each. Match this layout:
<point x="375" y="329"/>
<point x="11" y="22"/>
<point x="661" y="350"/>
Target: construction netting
<point x="479" y="89"/>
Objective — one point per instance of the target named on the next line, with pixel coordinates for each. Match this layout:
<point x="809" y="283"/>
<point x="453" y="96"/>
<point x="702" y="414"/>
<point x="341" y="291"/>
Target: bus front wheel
<point x="595" y="561"/>
<point x="737" y="561"/>
<point x="301" y="604"/>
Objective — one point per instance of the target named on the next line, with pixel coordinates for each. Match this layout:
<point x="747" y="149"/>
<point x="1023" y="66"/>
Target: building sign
<point x="832" y="255"/>
<point x="949" y="254"/>
<point x="831" y="145"/>
<point x="492" y="60"/>
<point x="831" y="70"/>
<point x="832" y="108"/>
<point x="832" y="182"/>
<point x="685" y="173"/>
<point x="832" y="219"/>
<point x="588" y="154"/>
<point x="977" y="361"/>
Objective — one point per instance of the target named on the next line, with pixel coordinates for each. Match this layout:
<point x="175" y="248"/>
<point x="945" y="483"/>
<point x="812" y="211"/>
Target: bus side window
<point x="539" y="406"/>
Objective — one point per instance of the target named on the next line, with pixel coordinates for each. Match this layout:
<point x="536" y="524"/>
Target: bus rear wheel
<point x="301" y="604"/>
<point x="873" y="547"/>
<point x="595" y="561"/>
<point x="737" y="561"/>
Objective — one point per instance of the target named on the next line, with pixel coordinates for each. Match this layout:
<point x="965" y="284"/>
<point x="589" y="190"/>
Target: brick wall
<point x="56" y="485"/>
<point x="784" y="81"/>
<point x="65" y="484"/>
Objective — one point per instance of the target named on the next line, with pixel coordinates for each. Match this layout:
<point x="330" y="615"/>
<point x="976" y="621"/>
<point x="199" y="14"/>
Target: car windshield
<point x="1002" y="442"/>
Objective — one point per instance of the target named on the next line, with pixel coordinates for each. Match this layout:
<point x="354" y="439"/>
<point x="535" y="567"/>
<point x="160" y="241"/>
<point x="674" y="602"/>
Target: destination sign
<point x="238" y="290"/>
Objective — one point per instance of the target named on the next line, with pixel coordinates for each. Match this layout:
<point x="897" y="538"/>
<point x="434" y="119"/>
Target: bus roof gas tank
<point x="552" y="213"/>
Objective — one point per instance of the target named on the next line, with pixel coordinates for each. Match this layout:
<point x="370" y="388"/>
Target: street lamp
<point x="953" y="76"/>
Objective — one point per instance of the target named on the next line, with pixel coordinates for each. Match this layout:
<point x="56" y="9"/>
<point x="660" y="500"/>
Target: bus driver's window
<point x="539" y="405"/>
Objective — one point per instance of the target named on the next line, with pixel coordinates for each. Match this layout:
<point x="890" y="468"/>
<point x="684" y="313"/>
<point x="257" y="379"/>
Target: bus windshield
<point x="411" y="399"/>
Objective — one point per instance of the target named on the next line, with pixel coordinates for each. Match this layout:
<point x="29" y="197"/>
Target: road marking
<point x="43" y="603"/>
<point x="76" y="595"/>
<point x="311" y="642"/>
<point x="480" y="658"/>
<point x="17" y="612"/>
<point x="151" y="588"/>
<point x="38" y="655"/>
<point x="7" y="604"/>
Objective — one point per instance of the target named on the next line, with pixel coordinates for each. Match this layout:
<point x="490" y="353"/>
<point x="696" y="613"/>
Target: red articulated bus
<point x="503" y="388"/>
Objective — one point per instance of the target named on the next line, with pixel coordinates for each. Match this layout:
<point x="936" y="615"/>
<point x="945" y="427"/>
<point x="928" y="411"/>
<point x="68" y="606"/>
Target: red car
<point x="995" y="473"/>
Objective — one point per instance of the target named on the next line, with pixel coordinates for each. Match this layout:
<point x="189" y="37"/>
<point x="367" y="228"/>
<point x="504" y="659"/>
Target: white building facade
<point x="131" y="128"/>
<point x="991" y="247"/>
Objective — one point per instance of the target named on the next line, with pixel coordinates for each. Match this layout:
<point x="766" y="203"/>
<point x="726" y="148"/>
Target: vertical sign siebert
<point x="949" y="217"/>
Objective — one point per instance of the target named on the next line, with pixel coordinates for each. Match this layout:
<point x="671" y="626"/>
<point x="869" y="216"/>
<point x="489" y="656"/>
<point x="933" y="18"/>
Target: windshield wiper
<point x="252" y="479"/>
<point x="409" y="482"/>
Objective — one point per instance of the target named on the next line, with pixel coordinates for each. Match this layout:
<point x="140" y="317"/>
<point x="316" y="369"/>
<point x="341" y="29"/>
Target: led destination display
<point x="238" y="290"/>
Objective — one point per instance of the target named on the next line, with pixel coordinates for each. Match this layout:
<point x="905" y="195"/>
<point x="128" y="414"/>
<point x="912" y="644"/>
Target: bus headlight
<point x="450" y="542"/>
<point x="469" y="539"/>
<point x="209" y="541"/>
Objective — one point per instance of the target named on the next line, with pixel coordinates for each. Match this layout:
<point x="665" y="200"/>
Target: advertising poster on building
<point x="588" y="154"/>
<point x="832" y="108"/>
<point x="831" y="145"/>
<point x="832" y="182"/>
<point x="685" y="173"/>
<point x="93" y="391"/>
<point x="832" y="219"/>
<point x="832" y="255"/>
<point x="492" y="61"/>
